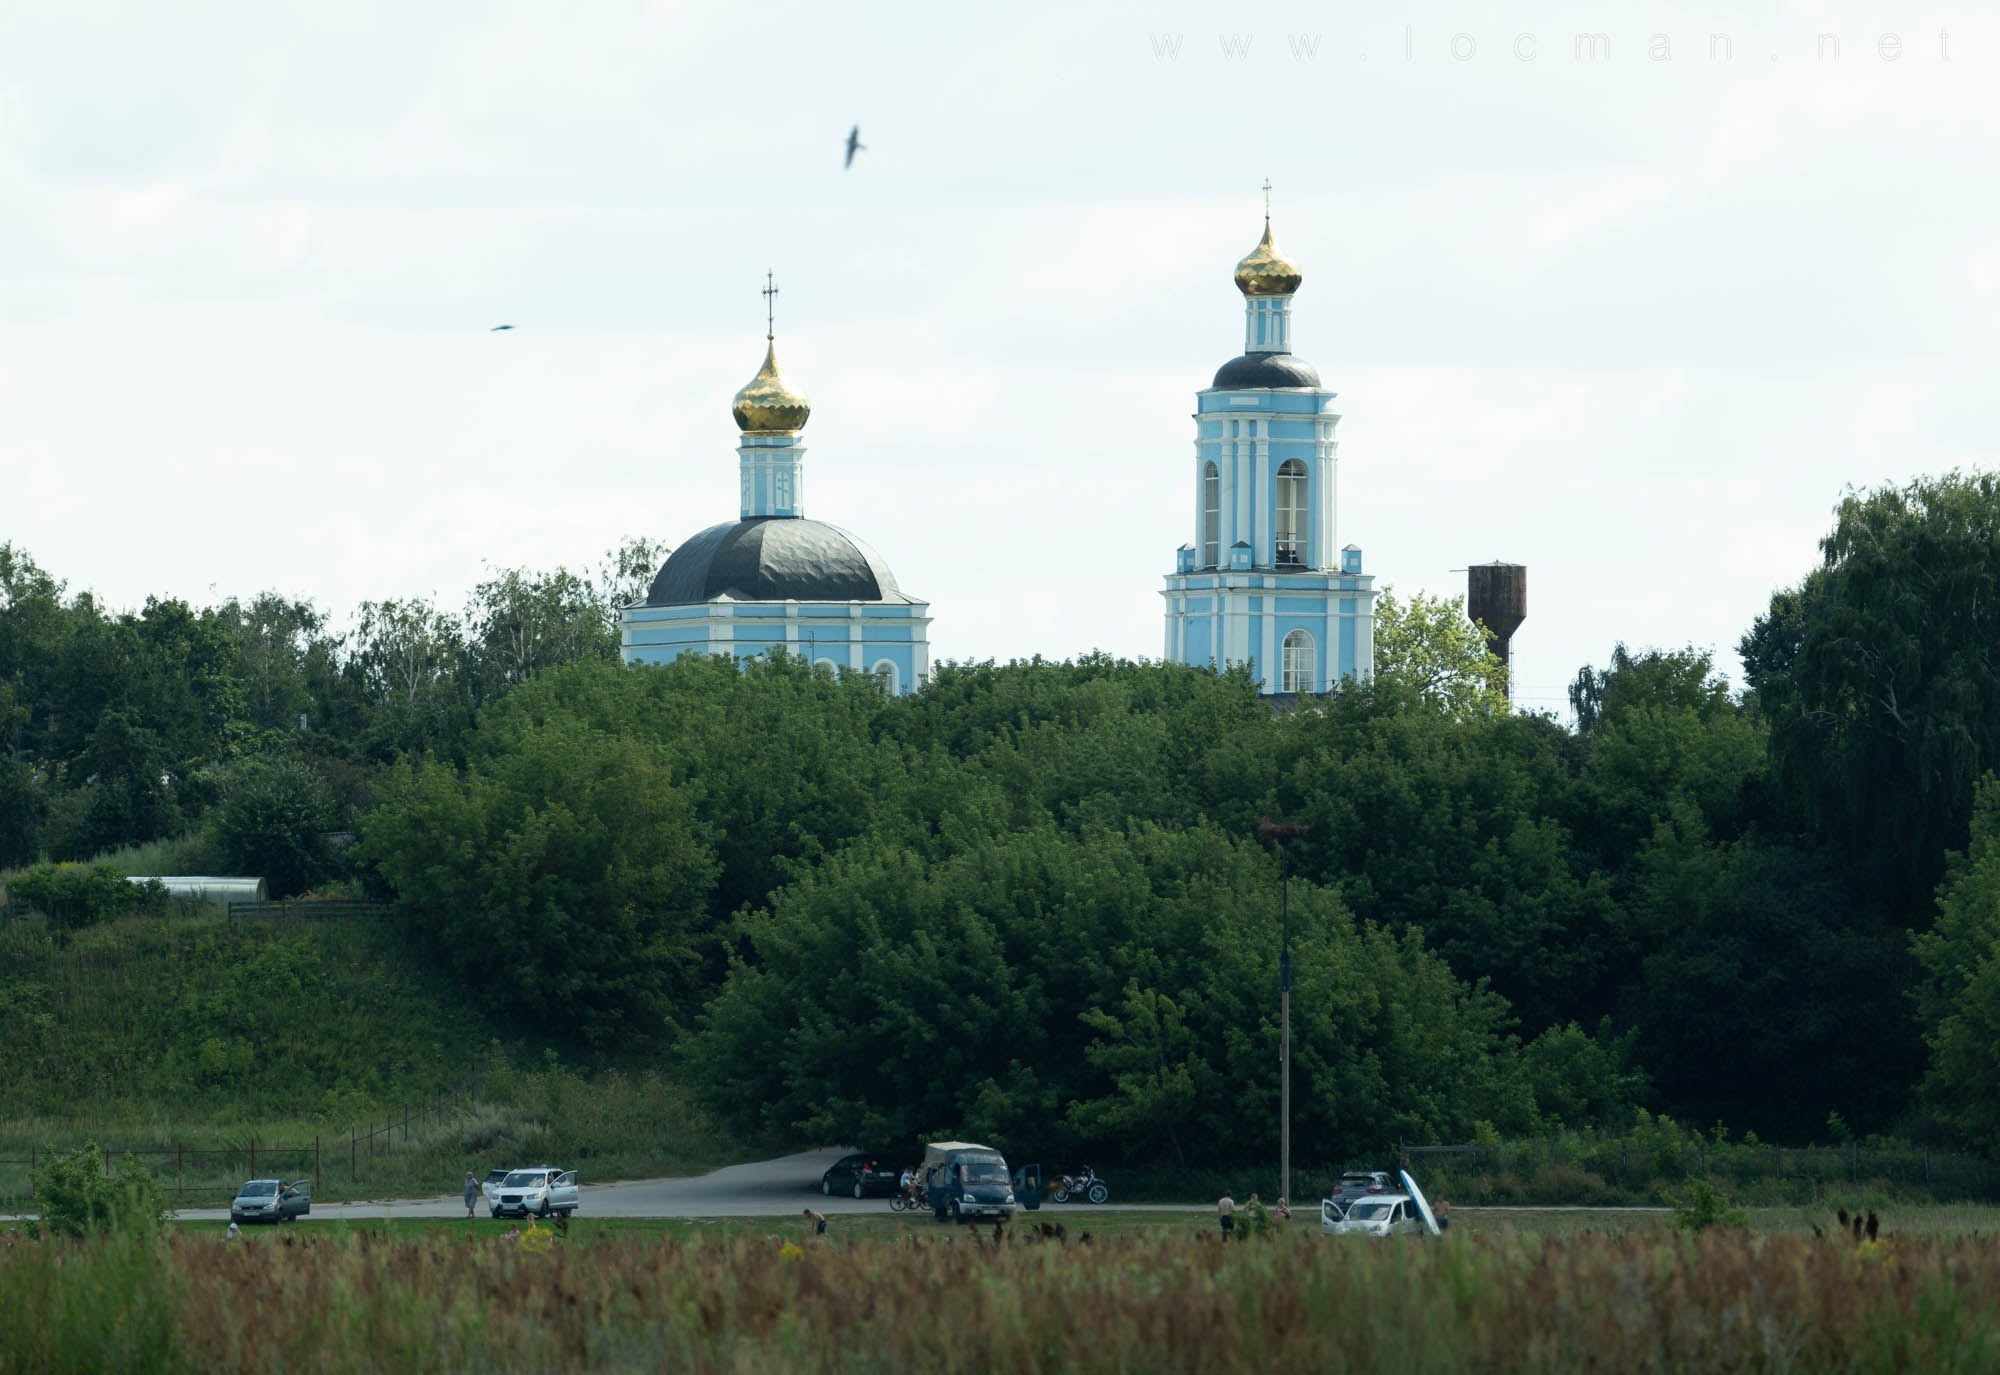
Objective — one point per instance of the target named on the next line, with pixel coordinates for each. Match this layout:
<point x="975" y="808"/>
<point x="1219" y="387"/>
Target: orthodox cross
<point x="1267" y="198"/>
<point x="770" y="295"/>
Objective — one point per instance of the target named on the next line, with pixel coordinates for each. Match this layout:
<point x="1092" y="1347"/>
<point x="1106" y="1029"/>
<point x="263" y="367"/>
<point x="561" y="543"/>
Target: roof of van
<point x="941" y="1147"/>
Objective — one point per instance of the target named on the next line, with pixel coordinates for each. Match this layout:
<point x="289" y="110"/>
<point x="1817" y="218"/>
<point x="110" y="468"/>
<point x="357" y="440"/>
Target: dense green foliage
<point x="77" y="1195"/>
<point x="1878" y="680"/>
<point x="73" y="895"/>
<point x="118" y="728"/>
<point x="1029" y="901"/>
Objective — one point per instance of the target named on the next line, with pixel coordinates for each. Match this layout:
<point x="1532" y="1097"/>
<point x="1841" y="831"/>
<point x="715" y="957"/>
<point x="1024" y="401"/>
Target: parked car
<point x="1359" y="1184"/>
<point x="271" y="1200"/>
<point x="1404" y="1213"/>
<point x="863" y="1174"/>
<point x="538" y="1191"/>
<point x="1372" y="1215"/>
<point x="491" y="1188"/>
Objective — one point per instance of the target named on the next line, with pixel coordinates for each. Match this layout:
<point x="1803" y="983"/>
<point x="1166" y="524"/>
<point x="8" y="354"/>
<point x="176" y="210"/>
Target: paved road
<point x="766" y="1188"/>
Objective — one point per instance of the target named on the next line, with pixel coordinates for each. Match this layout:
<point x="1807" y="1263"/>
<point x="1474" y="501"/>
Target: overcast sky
<point x="1632" y="313"/>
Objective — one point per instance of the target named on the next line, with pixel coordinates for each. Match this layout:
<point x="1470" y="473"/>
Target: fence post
<point x="177" y="1172"/>
<point x="406" y="1126"/>
<point x="315" y="1162"/>
<point x="353" y="1156"/>
<point x="253" y="1159"/>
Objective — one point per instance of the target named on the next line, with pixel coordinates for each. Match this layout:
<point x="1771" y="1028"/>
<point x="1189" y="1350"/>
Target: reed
<point x="1709" y="1302"/>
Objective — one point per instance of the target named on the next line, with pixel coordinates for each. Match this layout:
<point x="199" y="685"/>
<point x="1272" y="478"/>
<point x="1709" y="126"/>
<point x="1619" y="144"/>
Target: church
<point x="772" y="578"/>
<point x="1263" y="583"/>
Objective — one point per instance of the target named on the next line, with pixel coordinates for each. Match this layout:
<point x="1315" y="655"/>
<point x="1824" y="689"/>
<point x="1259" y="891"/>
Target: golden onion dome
<point x="1267" y="272"/>
<point x="766" y="405"/>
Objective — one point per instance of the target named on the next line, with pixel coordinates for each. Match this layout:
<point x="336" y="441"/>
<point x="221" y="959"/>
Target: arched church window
<point x="885" y="674"/>
<point x="1211" y="516"/>
<point x="1298" y="669"/>
<point x="1291" y="522"/>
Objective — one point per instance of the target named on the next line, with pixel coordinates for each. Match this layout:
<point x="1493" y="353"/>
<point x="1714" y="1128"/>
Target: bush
<point x="75" y="895"/>
<point x="1703" y="1206"/>
<point x="76" y="1196"/>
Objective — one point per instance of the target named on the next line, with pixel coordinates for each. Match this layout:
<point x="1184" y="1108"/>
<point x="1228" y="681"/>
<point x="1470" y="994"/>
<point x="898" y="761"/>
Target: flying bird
<point x="854" y="145"/>
<point x="497" y="328"/>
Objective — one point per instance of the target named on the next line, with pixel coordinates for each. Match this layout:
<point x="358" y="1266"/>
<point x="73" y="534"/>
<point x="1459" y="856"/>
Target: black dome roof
<point x="1267" y="370"/>
<point x="773" y="559"/>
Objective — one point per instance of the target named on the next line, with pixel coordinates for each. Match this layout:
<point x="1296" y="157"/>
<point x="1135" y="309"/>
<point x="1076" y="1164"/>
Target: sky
<point x="1631" y="301"/>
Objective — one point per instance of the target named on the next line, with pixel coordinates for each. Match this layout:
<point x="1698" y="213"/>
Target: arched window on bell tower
<point x="1290" y="525"/>
<point x="1298" y="666"/>
<point x="1211" y="516"/>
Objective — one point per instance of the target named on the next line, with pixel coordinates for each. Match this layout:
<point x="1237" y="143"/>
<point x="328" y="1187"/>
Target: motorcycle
<point x="1077" y="1187"/>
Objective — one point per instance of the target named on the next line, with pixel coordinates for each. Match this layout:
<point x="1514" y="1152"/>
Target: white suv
<point x="538" y="1190"/>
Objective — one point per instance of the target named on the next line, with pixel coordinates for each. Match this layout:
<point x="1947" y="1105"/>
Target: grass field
<point x="1145" y="1293"/>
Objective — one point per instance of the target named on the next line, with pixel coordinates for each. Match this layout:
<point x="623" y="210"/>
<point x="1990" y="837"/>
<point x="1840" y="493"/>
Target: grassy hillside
<point x="189" y="1031"/>
<point x="191" y="1015"/>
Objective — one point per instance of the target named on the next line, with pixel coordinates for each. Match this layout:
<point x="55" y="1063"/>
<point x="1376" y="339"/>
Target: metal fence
<point x="195" y="1170"/>
<point x="424" y="1114"/>
<point x="207" y="1171"/>
<point x="329" y="908"/>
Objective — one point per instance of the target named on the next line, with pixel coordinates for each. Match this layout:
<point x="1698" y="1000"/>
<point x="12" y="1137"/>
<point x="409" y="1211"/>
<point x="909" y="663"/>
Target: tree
<point x="1769" y="994"/>
<point x="1430" y="645"/>
<point x="563" y="876"/>
<point x="271" y="822"/>
<point x="1958" y="1001"/>
<point x="1877" y="677"/>
<point x="523" y="623"/>
<point x="408" y="660"/>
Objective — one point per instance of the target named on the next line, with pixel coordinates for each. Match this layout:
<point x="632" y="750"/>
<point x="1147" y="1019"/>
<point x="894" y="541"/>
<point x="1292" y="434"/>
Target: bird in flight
<point x="497" y="328"/>
<point x="854" y="145"/>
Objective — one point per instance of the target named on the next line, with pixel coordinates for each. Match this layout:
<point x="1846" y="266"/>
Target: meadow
<point x="1164" y="1297"/>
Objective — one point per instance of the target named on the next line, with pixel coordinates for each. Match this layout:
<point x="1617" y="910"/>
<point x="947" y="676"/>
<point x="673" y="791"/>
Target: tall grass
<point x="1706" y="1303"/>
<point x="216" y="1037"/>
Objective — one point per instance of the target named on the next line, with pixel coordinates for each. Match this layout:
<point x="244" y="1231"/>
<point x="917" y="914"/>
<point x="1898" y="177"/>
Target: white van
<point x="538" y="1190"/>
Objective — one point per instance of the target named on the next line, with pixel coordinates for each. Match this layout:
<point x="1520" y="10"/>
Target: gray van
<point x="964" y="1180"/>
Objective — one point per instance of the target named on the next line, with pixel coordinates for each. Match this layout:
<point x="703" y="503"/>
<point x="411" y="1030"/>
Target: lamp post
<point x="1283" y="832"/>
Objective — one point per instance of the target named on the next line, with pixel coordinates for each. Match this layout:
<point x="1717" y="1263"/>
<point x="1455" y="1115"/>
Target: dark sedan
<point x="1359" y="1184"/>
<point x="863" y="1175"/>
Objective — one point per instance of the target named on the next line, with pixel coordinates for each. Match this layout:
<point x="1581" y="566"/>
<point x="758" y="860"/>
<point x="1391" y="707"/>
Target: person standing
<point x="234" y="1230"/>
<point x="1225" y="1212"/>
<point x="471" y="1192"/>
<point x="818" y="1221"/>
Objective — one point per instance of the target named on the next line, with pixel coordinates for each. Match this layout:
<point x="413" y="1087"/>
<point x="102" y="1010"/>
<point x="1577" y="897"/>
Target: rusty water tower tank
<point x="1496" y="595"/>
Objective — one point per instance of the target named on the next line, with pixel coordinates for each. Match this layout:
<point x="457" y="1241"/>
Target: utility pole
<point x="1283" y="832"/>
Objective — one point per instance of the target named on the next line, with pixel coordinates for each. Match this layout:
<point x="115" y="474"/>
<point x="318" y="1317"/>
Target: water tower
<point x="1496" y="596"/>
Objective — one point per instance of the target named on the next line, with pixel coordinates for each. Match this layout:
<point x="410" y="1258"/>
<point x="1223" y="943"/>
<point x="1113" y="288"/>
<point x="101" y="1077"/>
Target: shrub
<point x="76" y="1196"/>
<point x="75" y="895"/>
<point x="1702" y="1206"/>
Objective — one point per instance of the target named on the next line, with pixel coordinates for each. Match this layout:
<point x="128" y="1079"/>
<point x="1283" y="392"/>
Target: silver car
<point x="271" y="1200"/>
<point x="538" y="1190"/>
